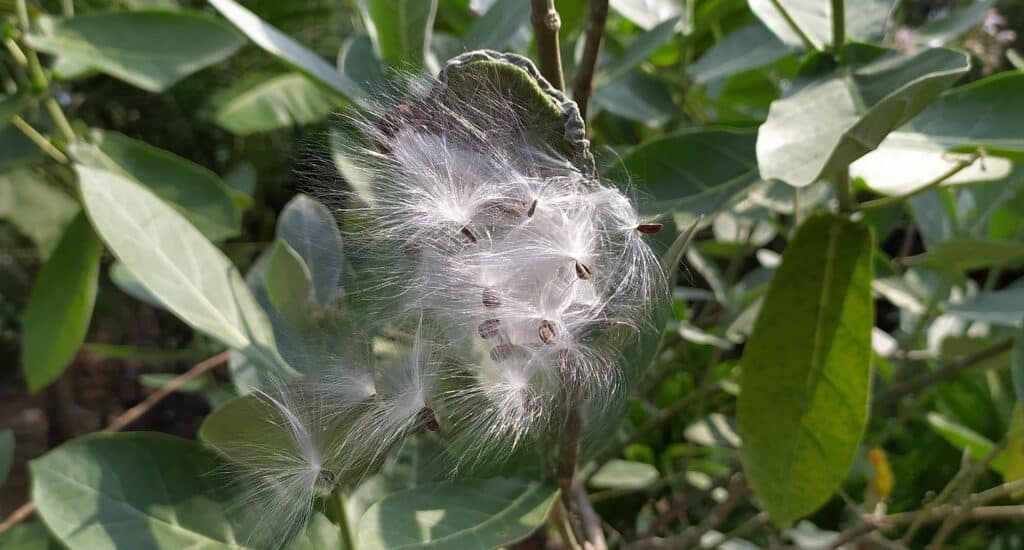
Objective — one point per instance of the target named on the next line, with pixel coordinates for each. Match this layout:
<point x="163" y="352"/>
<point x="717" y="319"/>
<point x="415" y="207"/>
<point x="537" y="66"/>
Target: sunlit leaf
<point x="865" y="20"/>
<point x="264" y="103"/>
<point x="400" y="29"/>
<point x="806" y="369"/>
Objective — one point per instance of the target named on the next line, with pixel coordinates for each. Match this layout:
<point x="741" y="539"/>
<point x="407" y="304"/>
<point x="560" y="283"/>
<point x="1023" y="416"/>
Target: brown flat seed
<point x="468" y="234"/>
<point x="582" y="271"/>
<point x="429" y="419"/>
<point x="649" y="228"/>
<point x="502" y="351"/>
<point x="489" y="328"/>
<point x="490" y="299"/>
<point x="533" y="208"/>
<point x="546" y="331"/>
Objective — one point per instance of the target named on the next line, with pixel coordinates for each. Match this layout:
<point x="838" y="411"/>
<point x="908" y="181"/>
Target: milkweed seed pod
<point x="485" y="214"/>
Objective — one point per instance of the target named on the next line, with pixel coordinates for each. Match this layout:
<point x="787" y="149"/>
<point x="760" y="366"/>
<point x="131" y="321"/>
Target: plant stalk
<point x="843" y="191"/>
<point x="583" y="83"/>
<point x="838" y="28"/>
<point x="38" y="139"/>
<point x="546" y="23"/>
<point x="793" y="25"/>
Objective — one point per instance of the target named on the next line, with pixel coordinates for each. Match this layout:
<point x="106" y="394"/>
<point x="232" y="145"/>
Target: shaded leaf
<point x="287" y="49"/>
<point x="748" y="47"/>
<point x="497" y="28"/>
<point x="457" y="515"/>
<point x="947" y="29"/>
<point x="29" y="536"/>
<point x="11" y="105"/>
<point x="288" y="283"/>
<point x="36" y="208"/>
<point x="694" y="171"/>
<point x="176" y="264"/>
<point x="149" y="49"/>
<point x="358" y="62"/>
<point x="636" y="53"/>
<point x="270" y="103"/>
<point x="806" y="367"/>
<point x="310" y="229"/>
<point x="831" y="118"/>
<point x="59" y="307"/>
<point x="637" y="97"/>
<point x="6" y="454"/>
<point x="1017" y="365"/>
<point x="865" y="20"/>
<point x="648" y="14"/>
<point x="999" y="307"/>
<point x="967" y="254"/>
<point x="133" y="490"/>
<point x="1014" y="453"/>
<point x="400" y="29"/>
<point x="194" y="191"/>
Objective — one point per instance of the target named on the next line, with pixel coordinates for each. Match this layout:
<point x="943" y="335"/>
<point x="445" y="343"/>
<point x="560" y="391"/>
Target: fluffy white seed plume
<point x="527" y="261"/>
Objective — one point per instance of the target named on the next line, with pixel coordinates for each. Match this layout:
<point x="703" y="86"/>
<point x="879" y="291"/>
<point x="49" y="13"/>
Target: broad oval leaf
<point x="965" y="254"/>
<point x="29" y="536"/>
<point x="149" y="49"/>
<point x="133" y="490"/>
<point x="865" y="20"/>
<point x="982" y="114"/>
<point x="697" y="172"/>
<point x="288" y="283"/>
<point x="400" y="30"/>
<point x="498" y="27"/>
<point x="636" y="53"/>
<point x="832" y="118"/>
<point x="287" y="49"/>
<point x="194" y="191"/>
<point x="35" y="207"/>
<point x="310" y="229"/>
<point x="265" y="103"/>
<point x="748" y="47"/>
<point x="457" y="515"/>
<point x="60" y="305"/>
<point x="806" y="366"/>
<point x="176" y="264"/>
<point x="999" y="307"/>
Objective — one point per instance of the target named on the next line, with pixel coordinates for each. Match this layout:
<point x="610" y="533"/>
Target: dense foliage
<point x="359" y="264"/>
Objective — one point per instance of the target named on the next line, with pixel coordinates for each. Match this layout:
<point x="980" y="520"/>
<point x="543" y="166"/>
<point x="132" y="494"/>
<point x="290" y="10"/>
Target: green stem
<point x="891" y="201"/>
<point x="546" y="23"/>
<point x="57" y="114"/>
<point x="843" y="191"/>
<point x="39" y="139"/>
<point x="792" y="24"/>
<point x="838" y="28"/>
<point x="39" y="80"/>
<point x="344" y="529"/>
<point x="68" y="8"/>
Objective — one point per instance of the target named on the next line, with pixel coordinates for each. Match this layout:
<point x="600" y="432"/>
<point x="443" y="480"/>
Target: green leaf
<point x="358" y="62"/>
<point x="964" y="438"/>
<point x="806" y="369"/>
<point x="947" y="29"/>
<point x="121" y="276"/>
<point x="176" y="264"/>
<point x="245" y="423"/>
<point x="60" y="305"/>
<point x="624" y="474"/>
<point x="400" y="30"/>
<point x="697" y="172"/>
<point x="457" y="515"/>
<point x="497" y="28"/>
<point x="966" y="254"/>
<point x="35" y="207"/>
<point x="833" y="116"/>
<point x="748" y="47"/>
<point x="865" y="20"/>
<point x="287" y="49"/>
<point x="133" y="490"/>
<point x="11" y="105"/>
<point x="310" y="229"/>
<point x="149" y="49"/>
<point x="321" y="534"/>
<point x="288" y="283"/>
<point x="29" y="536"/>
<point x="998" y="307"/>
<point x="6" y="454"/>
<point x="195" y="192"/>
<point x="647" y="14"/>
<point x="1014" y="453"/>
<point x="981" y="114"/>
<point x="1017" y="365"/>
<point x="636" y="53"/>
<point x="263" y="104"/>
<point x="637" y="97"/>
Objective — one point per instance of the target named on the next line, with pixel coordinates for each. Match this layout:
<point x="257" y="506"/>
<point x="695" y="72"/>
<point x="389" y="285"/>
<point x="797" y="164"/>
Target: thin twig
<point x="971" y="474"/>
<point x="583" y="82"/>
<point x="793" y="25"/>
<point x="838" y="27"/>
<point x="946" y="372"/>
<point x="738" y="491"/>
<point x="662" y="416"/>
<point x="546" y="23"/>
<point x="954" y="170"/>
<point x="129" y="416"/>
<point x="588" y="517"/>
<point x="39" y="139"/>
